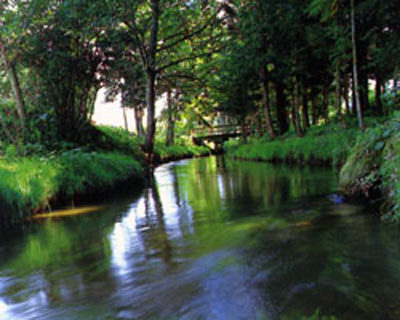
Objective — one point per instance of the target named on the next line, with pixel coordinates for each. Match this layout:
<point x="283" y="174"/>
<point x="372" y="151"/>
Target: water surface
<point x="211" y="239"/>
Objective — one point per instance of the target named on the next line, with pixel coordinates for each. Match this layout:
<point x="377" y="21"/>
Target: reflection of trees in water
<point x="153" y="230"/>
<point x="221" y="162"/>
<point x="60" y="261"/>
<point x="183" y="208"/>
<point x="176" y="186"/>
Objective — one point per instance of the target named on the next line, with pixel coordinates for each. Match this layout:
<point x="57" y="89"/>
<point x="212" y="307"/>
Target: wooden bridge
<point x="218" y="134"/>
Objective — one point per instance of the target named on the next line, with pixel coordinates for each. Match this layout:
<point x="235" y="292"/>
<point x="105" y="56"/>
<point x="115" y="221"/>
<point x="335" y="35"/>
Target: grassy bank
<point x="165" y="153"/>
<point x="121" y="140"/>
<point x="370" y="161"/>
<point x="329" y="144"/>
<point x="373" y="168"/>
<point x="30" y="183"/>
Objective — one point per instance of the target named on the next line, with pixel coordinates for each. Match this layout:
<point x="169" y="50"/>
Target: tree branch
<point x="184" y="37"/>
<point x="187" y="58"/>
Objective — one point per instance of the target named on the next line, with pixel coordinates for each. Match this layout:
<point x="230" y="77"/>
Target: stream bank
<point x="36" y="183"/>
<point x="226" y="239"/>
<point x="369" y="162"/>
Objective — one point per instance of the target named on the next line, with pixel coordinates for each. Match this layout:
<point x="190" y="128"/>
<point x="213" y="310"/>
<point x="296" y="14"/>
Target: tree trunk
<point x="244" y="129"/>
<point x="138" y="112"/>
<point x="353" y="97"/>
<point x="150" y="84"/>
<point x="363" y="86"/>
<point x="324" y="105"/>
<point x="171" y="120"/>
<point x="355" y="67"/>
<point x="338" y="90"/>
<point x="346" y="94"/>
<point x="20" y="104"/>
<point x="378" y="96"/>
<point x="362" y="52"/>
<point x="16" y="88"/>
<point x="314" y="107"/>
<point x="296" y="107"/>
<point x="125" y="118"/>
<point x="151" y="121"/>
<point x="306" y="121"/>
<point x="266" y="100"/>
<point x="338" y="96"/>
<point x="283" y="124"/>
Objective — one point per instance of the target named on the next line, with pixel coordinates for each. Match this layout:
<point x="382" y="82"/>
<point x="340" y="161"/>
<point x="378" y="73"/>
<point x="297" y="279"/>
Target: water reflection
<point x="207" y="239"/>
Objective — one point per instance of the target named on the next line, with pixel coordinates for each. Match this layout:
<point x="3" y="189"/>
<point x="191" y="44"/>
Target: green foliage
<point x="94" y="171"/>
<point x="390" y="102"/>
<point x="121" y="140"/>
<point x="27" y="183"/>
<point x="30" y="183"/>
<point x="390" y="169"/>
<point x="373" y="166"/>
<point x="330" y="144"/>
<point x="165" y="153"/>
<point x="118" y="139"/>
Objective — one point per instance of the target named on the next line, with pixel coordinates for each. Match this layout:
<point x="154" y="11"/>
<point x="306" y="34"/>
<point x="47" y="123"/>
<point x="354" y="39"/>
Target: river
<point x="211" y="239"/>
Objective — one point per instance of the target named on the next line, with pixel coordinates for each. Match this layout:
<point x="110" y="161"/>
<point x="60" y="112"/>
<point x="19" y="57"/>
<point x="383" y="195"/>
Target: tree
<point x="355" y="66"/>
<point x="10" y="49"/>
<point x="165" y="34"/>
<point x="66" y="47"/>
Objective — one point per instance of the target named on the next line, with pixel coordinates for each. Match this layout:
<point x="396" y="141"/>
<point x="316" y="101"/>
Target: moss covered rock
<point x="373" y="167"/>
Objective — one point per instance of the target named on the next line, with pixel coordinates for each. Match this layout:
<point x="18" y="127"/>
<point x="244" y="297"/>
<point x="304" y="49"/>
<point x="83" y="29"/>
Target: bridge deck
<point x="217" y="134"/>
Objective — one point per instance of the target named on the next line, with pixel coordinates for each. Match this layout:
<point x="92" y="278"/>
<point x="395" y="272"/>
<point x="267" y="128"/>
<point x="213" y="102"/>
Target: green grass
<point x="371" y="160"/>
<point x="329" y="144"/>
<point x="30" y="183"/>
<point x="119" y="140"/>
<point x="122" y="141"/>
<point x="374" y="166"/>
<point x="165" y="153"/>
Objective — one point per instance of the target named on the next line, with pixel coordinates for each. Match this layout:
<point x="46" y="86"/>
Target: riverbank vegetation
<point x="35" y="181"/>
<point x="30" y="183"/>
<point x="372" y="168"/>
<point x="329" y="144"/>
<point x="294" y="79"/>
<point x="368" y="161"/>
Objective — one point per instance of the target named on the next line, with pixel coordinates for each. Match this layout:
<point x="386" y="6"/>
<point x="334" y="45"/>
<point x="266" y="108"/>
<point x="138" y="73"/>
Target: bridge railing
<point x="216" y="130"/>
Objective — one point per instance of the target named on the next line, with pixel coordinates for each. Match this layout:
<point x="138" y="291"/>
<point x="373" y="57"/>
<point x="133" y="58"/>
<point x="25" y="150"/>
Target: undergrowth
<point x="328" y="144"/>
<point x="374" y="164"/>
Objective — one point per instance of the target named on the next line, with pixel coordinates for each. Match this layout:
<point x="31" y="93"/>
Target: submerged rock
<point x="337" y="198"/>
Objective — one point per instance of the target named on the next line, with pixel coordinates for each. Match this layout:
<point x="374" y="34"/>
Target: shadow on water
<point x="207" y="238"/>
